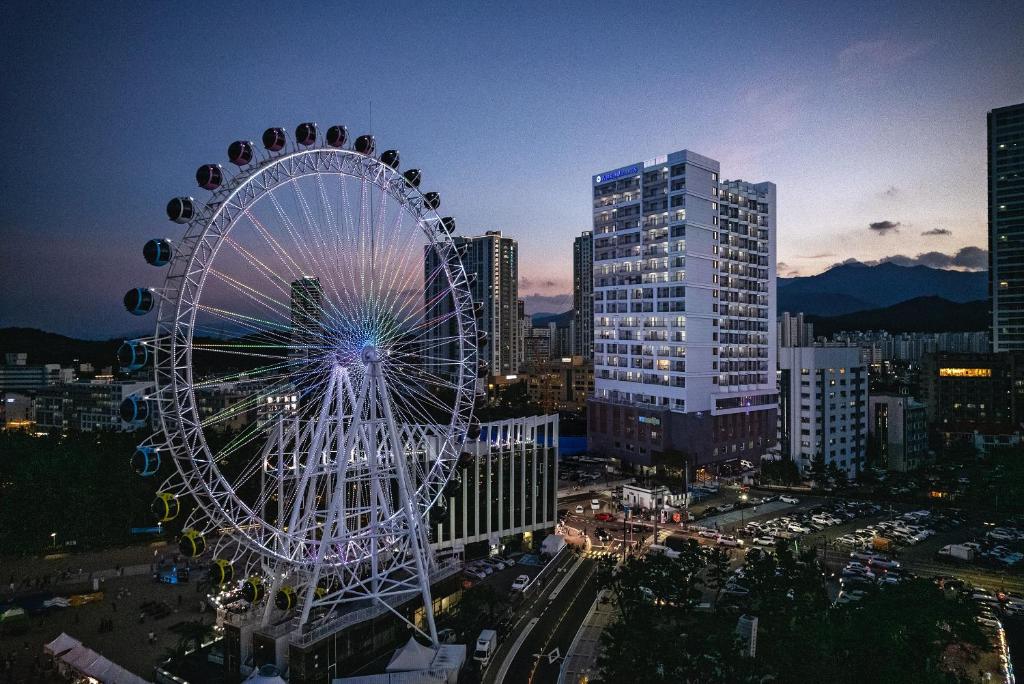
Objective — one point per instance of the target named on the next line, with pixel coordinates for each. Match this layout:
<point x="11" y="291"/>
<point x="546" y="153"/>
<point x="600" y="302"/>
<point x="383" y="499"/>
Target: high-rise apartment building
<point x="583" y="294"/>
<point x="684" y="314"/>
<point x="307" y="333"/>
<point x="794" y="331"/>
<point x="898" y="425"/>
<point x="492" y="265"/>
<point x="823" y="402"/>
<point x="1006" y="226"/>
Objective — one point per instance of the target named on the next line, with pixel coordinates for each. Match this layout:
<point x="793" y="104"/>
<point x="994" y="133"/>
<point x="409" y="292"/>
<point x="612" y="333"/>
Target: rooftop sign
<point x="617" y="173"/>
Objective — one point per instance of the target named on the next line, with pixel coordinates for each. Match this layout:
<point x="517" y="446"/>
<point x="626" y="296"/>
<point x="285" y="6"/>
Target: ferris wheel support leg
<point x="312" y="460"/>
<point x="417" y="541"/>
<point x="331" y="524"/>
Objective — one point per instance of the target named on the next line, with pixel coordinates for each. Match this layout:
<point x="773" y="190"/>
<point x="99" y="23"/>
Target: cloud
<point x="544" y="284"/>
<point x="869" y="56"/>
<point x="891" y="192"/>
<point x="883" y="227"/>
<point x="974" y="258"/>
<point x="823" y="255"/>
<point x="937" y="231"/>
<point x="966" y="259"/>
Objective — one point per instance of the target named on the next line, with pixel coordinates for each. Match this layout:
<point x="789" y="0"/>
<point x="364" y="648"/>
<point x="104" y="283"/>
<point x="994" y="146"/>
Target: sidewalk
<point x="581" y="659"/>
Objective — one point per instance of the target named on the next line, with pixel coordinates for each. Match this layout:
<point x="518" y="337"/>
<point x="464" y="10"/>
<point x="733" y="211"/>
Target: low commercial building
<point x="898" y="425"/>
<point x="823" y="397"/>
<point x="507" y="500"/>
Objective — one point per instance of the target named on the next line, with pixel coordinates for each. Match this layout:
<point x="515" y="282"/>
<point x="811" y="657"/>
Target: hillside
<point x="560" y="320"/>
<point x="921" y="314"/>
<point x="45" y="347"/>
<point x="854" y="287"/>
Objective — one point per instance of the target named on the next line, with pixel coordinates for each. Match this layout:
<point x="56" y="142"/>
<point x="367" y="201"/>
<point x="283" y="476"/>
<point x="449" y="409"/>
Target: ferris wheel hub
<point x="370" y="355"/>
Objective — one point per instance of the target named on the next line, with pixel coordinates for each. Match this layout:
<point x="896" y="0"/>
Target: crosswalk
<point x="601" y="553"/>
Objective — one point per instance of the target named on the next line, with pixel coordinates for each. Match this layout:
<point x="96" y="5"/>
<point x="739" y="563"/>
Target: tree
<point x="816" y="471"/>
<point x="718" y="569"/>
<point x="477" y="609"/>
<point x="784" y="471"/>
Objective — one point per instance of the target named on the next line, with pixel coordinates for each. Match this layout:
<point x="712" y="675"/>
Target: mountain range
<point x="854" y="287"/>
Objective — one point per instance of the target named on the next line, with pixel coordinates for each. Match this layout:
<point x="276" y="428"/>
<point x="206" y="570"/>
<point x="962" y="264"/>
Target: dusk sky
<point x="869" y="117"/>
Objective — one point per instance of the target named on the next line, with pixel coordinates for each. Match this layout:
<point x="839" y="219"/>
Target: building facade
<point x="510" y="490"/>
<point x="562" y="384"/>
<point x="684" y="314"/>
<point x="86" y="406"/>
<point x="793" y="331"/>
<point x="974" y="398"/>
<point x="898" y="426"/>
<point x="823" y="402"/>
<point x="1006" y="226"/>
<point x="583" y="295"/>
<point x="492" y="265"/>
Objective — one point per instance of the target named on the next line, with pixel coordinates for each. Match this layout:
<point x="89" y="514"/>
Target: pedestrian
<point x="152" y="637"/>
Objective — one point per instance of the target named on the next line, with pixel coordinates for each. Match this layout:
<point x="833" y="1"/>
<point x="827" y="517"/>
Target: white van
<point x="486" y="644"/>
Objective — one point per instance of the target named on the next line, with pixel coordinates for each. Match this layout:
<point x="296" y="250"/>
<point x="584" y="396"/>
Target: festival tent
<point x="61" y="644"/>
<point x="98" y="668"/>
<point x="412" y="656"/>
<point x="78" y="657"/>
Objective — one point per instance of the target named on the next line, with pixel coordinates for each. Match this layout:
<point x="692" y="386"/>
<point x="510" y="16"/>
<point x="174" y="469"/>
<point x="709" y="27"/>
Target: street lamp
<point x="53" y="537"/>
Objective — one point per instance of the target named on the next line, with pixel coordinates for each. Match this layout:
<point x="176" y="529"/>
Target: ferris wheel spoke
<point x="294" y="268"/>
<point x="319" y="245"/>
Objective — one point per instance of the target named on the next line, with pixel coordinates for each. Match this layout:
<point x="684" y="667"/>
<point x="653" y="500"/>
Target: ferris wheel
<point x="315" y="364"/>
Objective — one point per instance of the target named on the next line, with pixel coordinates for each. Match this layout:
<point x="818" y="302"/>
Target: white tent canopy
<point x="98" y="668"/>
<point x="79" y="657"/>
<point x="412" y="656"/>
<point x="61" y="644"/>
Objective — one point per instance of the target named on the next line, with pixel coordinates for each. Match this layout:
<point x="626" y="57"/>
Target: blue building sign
<point x="617" y="173"/>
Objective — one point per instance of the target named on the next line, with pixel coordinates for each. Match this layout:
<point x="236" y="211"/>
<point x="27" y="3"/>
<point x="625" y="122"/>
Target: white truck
<point x="958" y="552"/>
<point x="486" y="644"/>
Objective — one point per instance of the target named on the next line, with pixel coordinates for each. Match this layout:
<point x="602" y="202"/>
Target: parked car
<point x="785" y="498"/>
<point x="474" y="572"/>
<point x="729" y="540"/>
<point x="595" y="504"/>
<point x="604" y="517"/>
<point x="520" y="583"/>
<point x="708" y="534"/>
<point x="763" y="541"/>
<point x="579" y="508"/>
<point x="725" y="508"/>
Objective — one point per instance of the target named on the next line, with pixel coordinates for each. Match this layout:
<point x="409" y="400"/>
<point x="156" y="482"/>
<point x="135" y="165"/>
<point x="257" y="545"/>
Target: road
<point x="548" y="622"/>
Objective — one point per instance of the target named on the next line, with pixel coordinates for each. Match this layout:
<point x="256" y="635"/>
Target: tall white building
<point x="684" y="314"/>
<point x="823" y="400"/>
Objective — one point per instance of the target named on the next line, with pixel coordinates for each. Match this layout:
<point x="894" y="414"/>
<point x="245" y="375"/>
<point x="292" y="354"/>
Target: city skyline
<point x="874" y="134"/>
